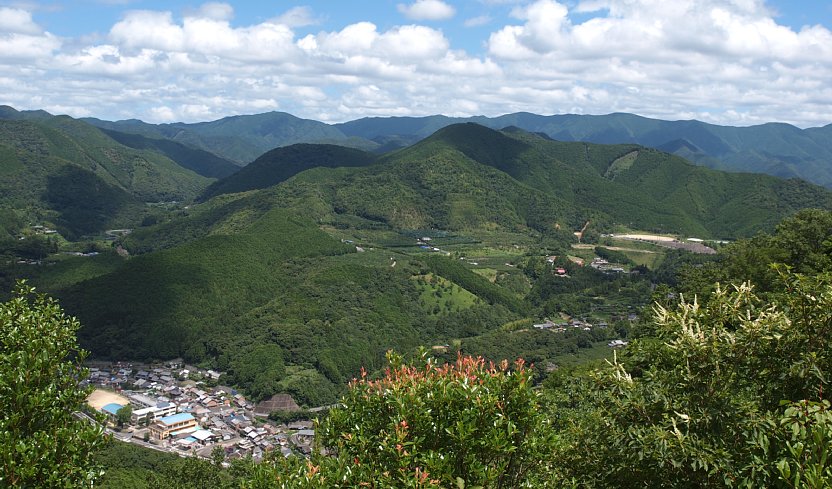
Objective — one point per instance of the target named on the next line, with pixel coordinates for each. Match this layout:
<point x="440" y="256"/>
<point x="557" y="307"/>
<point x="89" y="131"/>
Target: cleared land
<point x="645" y="237"/>
<point x="578" y="246"/>
<point x="439" y="294"/>
<point x="669" y="242"/>
<point x="100" y="398"/>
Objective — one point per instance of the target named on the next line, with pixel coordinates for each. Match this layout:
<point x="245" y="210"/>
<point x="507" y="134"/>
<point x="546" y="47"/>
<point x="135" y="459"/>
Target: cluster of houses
<point x="605" y="266"/>
<point x="562" y="326"/>
<point x="40" y="229"/>
<point x="174" y="412"/>
<point x="81" y="253"/>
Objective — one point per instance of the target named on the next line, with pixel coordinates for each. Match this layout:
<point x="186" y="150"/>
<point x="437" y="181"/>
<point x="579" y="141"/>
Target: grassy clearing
<point x="488" y="261"/>
<point x="488" y="273"/>
<point x="586" y="255"/>
<point x="641" y="253"/>
<point x="649" y="260"/>
<point x="439" y="295"/>
<point x="598" y="353"/>
<point x="61" y="271"/>
<point x="620" y="165"/>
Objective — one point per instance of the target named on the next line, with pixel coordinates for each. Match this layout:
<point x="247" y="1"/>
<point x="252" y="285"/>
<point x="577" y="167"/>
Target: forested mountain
<point x="775" y="149"/>
<point x="69" y="173"/>
<point x="239" y="138"/>
<point x="466" y="176"/>
<point x="282" y="163"/>
<point x="197" y="160"/>
<point x="265" y="268"/>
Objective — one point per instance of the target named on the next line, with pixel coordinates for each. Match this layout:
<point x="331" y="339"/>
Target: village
<point x="179" y="408"/>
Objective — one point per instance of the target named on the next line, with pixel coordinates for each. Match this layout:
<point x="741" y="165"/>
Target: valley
<point x="299" y="272"/>
<point x="334" y="255"/>
<point x="422" y="244"/>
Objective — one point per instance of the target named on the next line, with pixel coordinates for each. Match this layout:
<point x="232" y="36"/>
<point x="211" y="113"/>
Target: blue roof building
<point x="176" y="418"/>
<point x="111" y="408"/>
<point x="173" y="425"/>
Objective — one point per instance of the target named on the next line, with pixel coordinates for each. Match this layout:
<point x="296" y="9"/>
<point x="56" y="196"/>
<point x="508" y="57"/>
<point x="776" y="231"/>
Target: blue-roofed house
<point x="172" y="426"/>
<point x="110" y="410"/>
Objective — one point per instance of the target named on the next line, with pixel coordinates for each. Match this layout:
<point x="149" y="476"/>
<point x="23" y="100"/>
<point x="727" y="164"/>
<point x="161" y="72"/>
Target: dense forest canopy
<point x="722" y="385"/>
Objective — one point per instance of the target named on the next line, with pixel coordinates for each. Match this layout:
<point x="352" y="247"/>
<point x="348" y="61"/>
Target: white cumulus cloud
<point x="686" y="58"/>
<point x="427" y="10"/>
<point x="21" y="38"/>
<point x="18" y="21"/>
<point x="723" y="61"/>
<point x="215" y="11"/>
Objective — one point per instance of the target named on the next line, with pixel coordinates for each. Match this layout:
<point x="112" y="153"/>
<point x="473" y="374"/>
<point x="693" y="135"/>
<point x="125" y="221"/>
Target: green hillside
<point x="155" y="299"/>
<point x="242" y="138"/>
<point x="70" y="175"/>
<point x="146" y="174"/>
<point x="329" y="267"/>
<point x="469" y="177"/>
<point x="435" y="186"/>
<point x="276" y="280"/>
<point x="280" y="164"/>
<point x="199" y="161"/>
<point x="777" y="149"/>
<point x="41" y="182"/>
<point x="634" y="186"/>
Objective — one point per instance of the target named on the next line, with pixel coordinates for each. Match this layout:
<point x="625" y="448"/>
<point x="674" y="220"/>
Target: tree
<point x="462" y="424"/>
<point x="43" y="443"/>
<point x="259" y="370"/>
<point x="802" y="242"/>
<point x="729" y="393"/>
<point x="218" y="455"/>
<point x="124" y="414"/>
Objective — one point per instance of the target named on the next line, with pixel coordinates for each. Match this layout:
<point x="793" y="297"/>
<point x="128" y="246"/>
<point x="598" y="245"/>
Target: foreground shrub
<point x="729" y="394"/>
<point x="43" y="443"/>
<point x="462" y="424"/>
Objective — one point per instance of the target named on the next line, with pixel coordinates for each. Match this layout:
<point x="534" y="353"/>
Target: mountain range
<point x="131" y="162"/>
<point x="244" y="253"/>
<point x="239" y="138"/>
<point x="776" y="149"/>
<point x="312" y="247"/>
<point x="467" y="176"/>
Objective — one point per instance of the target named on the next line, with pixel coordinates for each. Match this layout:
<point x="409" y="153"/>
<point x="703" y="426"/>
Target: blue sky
<point x="736" y="62"/>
